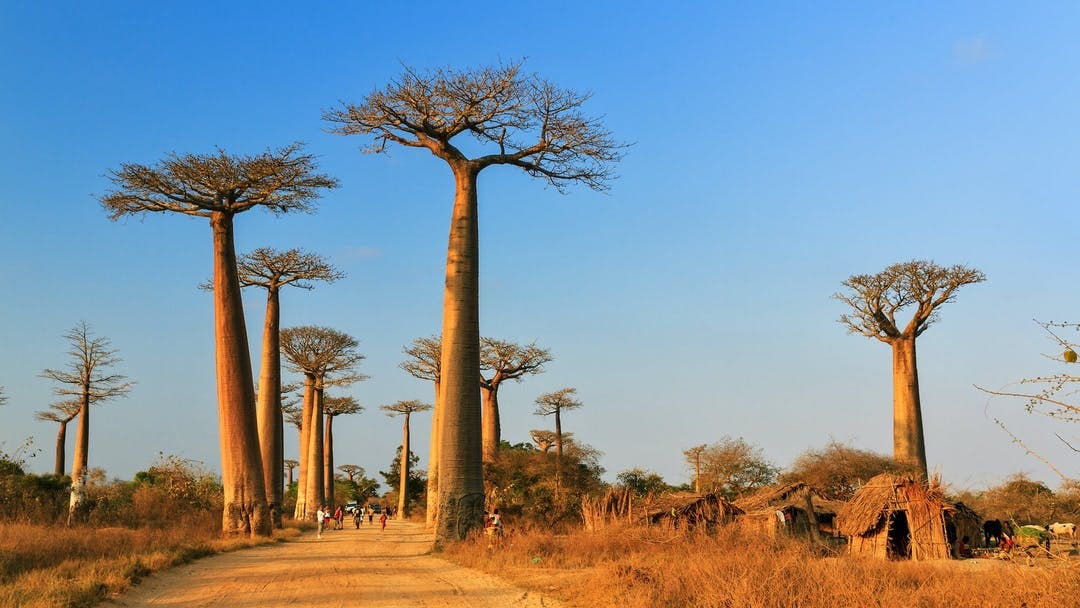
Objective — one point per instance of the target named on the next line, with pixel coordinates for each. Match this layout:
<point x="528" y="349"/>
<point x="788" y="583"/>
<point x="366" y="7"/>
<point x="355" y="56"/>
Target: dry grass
<point x="51" y="567"/>
<point x="650" y="568"/>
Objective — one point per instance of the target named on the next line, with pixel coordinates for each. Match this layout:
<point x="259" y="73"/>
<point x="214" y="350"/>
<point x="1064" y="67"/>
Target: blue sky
<point x="777" y="150"/>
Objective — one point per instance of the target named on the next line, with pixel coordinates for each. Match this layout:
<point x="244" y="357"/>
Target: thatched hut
<point x="688" y="510"/>
<point x="783" y="509"/>
<point x="896" y="517"/>
<point x="962" y="521"/>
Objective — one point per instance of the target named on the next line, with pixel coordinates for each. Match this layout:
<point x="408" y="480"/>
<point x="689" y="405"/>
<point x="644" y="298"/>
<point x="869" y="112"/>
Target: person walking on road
<point x="382" y="520"/>
<point x="319" y="518"/>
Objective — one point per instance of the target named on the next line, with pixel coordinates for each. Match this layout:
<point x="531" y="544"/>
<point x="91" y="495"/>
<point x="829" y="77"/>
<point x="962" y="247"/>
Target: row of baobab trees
<point x="513" y="119"/>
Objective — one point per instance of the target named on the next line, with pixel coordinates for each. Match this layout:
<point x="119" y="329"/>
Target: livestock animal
<point x="1062" y="530"/>
<point x="992" y="530"/>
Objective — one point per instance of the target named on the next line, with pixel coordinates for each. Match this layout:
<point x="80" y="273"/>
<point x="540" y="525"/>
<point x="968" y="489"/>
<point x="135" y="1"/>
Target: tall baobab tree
<point x="425" y="358"/>
<point x="332" y="408"/>
<point x="290" y="466"/>
<point x="219" y="187"/>
<point x="505" y="361"/>
<point x="62" y="413"/>
<point x="693" y="457"/>
<point x="553" y="404"/>
<point x="322" y="355"/>
<point x="875" y="300"/>
<point x="406" y="409"/>
<point x="515" y="119"/>
<point x="87" y="381"/>
<point x="272" y="269"/>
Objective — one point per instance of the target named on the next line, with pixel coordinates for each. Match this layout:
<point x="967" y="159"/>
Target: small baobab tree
<point x="404" y="409"/>
<point x="554" y="404"/>
<point x="424" y="362"/>
<point x="324" y="356"/>
<point x="544" y="439"/>
<point x="875" y="300"/>
<point x="518" y="120"/>
<point x="290" y="466"/>
<point x="351" y="470"/>
<point x="62" y="413"/>
<point x="693" y="458"/>
<point x="332" y="408"/>
<point x="271" y="270"/>
<point x="219" y="187"/>
<point x="503" y="361"/>
<point x="88" y="381"/>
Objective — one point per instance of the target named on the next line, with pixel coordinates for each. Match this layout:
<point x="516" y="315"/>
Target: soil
<point x="367" y="567"/>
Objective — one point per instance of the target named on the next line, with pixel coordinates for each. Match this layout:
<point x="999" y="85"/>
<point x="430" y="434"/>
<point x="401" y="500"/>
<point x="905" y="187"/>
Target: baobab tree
<point x="87" y="381"/>
<point x="505" y="361"/>
<point x="513" y="119"/>
<point x="290" y="466"/>
<point x="553" y="404"/>
<point x="219" y="187"/>
<point x="332" y="408"/>
<point x="62" y="413"/>
<point x="351" y="470"/>
<point x="875" y="300"/>
<point x="693" y="458"/>
<point x="543" y="439"/>
<point x="324" y="356"/>
<point x="272" y="269"/>
<point x="425" y="358"/>
<point x="406" y="409"/>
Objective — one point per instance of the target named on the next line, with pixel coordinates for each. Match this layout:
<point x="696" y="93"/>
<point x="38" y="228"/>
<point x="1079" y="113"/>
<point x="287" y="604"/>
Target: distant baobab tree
<point x="505" y="361"/>
<point x="693" y="457"/>
<point x="219" y="187"/>
<point x="272" y="269"/>
<point x="553" y="404"/>
<point x="351" y="470"/>
<point x="88" y="382"/>
<point x="62" y="413"/>
<point x="425" y="358"/>
<point x="290" y="465"/>
<point x="519" y="120"/>
<point x="332" y="408"/>
<point x="543" y="439"/>
<point x="875" y="301"/>
<point x="323" y="355"/>
<point x="406" y="409"/>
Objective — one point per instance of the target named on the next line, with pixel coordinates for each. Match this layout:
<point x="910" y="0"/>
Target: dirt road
<point x="366" y="567"/>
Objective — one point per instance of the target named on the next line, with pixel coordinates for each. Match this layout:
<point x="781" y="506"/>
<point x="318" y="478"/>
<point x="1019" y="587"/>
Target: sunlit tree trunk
<point x="403" y="484"/>
<point x="461" y="484"/>
<point x="328" y="461"/>
<point x="307" y="417"/>
<point x="558" y="453"/>
<point x="432" y="513"/>
<point x="79" y="469"/>
<point x="61" y="450"/>
<point x="492" y="427"/>
<point x="908" y="443"/>
<point x="245" y="509"/>
<point x="316" y="495"/>
<point x="271" y="431"/>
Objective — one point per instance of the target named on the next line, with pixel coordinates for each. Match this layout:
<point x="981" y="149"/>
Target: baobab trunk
<point x="432" y="513"/>
<point x="245" y="509"/>
<point x="558" y="453"/>
<point x="79" y="462"/>
<point x="908" y="443"/>
<point x="403" y="483"/>
<point x="461" y="484"/>
<point x="306" y="417"/>
<point x="315" y="496"/>
<point x="328" y="461"/>
<point x="271" y="431"/>
<point x="492" y="428"/>
<point x="61" y="454"/>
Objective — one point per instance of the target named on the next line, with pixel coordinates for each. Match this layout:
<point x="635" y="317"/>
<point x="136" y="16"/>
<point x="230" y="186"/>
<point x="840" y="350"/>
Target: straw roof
<point x="793" y="494"/>
<point x="708" y="508"/>
<point x="866" y="517"/>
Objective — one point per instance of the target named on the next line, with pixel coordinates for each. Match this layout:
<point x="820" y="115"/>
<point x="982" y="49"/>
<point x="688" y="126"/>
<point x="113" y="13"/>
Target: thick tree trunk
<point x="79" y="469"/>
<point x="908" y="443"/>
<point x="403" y="483"/>
<point x="492" y="427"/>
<point x="245" y="509"/>
<point x="328" y="461"/>
<point x="271" y="431"/>
<point x="558" y="453"/>
<point x="61" y="450"/>
<point x="316" y="495"/>
<point x="301" y="513"/>
<point x="461" y="483"/>
<point x="432" y="513"/>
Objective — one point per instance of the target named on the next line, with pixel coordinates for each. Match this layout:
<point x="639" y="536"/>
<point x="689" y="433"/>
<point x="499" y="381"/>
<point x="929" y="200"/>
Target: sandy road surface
<point x="366" y="567"/>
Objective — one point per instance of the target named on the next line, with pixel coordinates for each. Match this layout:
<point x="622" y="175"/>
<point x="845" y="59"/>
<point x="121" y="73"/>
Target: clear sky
<point x="777" y="150"/>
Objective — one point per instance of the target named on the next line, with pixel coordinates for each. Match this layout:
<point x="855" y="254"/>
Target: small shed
<point x="677" y="509"/>
<point x="897" y="517"/>
<point x="787" y="509"/>
<point x="963" y="521"/>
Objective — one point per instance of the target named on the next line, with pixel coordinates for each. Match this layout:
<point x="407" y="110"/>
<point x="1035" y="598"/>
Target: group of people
<point x="324" y="517"/>
<point x="493" y="528"/>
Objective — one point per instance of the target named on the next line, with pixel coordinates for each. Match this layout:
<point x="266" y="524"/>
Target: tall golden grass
<point x="638" y="568"/>
<point x="49" y="567"/>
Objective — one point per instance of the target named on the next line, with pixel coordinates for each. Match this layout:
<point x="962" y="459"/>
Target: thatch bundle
<point x="691" y="510"/>
<point x="617" y="505"/>
<point x="784" y="508"/>
<point x="896" y="516"/>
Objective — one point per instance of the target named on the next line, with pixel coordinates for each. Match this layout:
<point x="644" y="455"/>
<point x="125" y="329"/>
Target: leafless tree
<point x="351" y="470"/>
<point x="3" y="397"/>
<point x="875" y="301"/>
<point x="553" y="404"/>
<point x="218" y="187"/>
<point x="424" y="362"/>
<point x="516" y="119"/>
<point x="406" y="409"/>
<point x="290" y="465"/>
<point x="332" y="408"/>
<point x="62" y="413"/>
<point x="503" y="361"/>
<point x="322" y="355"/>
<point x="734" y="468"/>
<point x="693" y="458"/>
<point x="88" y="381"/>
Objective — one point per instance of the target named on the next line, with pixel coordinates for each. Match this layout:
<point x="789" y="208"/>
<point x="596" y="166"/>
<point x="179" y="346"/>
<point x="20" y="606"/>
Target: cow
<point x="1062" y="530"/>
<point x="992" y="530"/>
